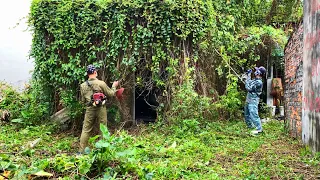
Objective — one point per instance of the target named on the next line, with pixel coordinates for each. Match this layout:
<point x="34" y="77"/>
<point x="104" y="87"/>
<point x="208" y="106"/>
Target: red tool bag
<point x="98" y="99"/>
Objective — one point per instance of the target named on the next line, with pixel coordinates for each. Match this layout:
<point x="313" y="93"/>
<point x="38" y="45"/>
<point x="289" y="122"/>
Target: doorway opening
<point x="145" y="106"/>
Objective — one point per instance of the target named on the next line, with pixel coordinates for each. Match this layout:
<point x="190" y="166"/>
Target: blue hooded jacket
<point x="254" y="88"/>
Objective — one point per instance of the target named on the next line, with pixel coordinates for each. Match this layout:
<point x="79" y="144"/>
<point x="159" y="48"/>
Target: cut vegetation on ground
<point x="189" y="151"/>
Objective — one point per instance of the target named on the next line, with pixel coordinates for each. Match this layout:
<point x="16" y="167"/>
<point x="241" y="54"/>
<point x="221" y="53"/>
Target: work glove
<point x="115" y="84"/>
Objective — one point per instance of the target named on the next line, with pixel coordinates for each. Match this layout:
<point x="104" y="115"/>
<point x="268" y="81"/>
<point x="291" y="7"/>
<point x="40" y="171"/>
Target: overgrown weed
<point x="192" y="150"/>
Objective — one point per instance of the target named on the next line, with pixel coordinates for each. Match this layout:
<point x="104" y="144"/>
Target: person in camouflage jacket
<point x="94" y="112"/>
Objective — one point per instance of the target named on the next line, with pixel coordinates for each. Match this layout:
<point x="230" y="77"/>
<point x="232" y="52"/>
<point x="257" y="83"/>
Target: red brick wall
<point x="293" y="82"/>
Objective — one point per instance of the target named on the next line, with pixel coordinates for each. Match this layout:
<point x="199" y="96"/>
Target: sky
<point x="15" y="42"/>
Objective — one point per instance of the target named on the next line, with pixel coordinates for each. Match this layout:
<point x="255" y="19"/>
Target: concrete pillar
<point x="269" y="84"/>
<point x="311" y="75"/>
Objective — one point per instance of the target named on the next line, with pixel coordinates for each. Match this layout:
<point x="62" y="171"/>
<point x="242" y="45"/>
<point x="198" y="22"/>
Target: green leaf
<point x="92" y="139"/>
<point x="104" y="131"/>
<point x="149" y="176"/>
<point x="84" y="167"/>
<point x="24" y="114"/>
<point x="102" y="144"/>
<point x="17" y="120"/>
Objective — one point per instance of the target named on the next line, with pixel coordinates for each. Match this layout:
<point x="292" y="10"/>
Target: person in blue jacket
<point x="254" y="88"/>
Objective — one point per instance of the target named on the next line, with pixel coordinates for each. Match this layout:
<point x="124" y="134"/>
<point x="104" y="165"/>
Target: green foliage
<point x="24" y="160"/>
<point x="154" y="39"/>
<point x="10" y="100"/>
<point x="310" y="158"/>
<point x="6" y="163"/>
<point x="118" y="36"/>
<point x="167" y="44"/>
<point x="239" y="39"/>
<point x="185" y="97"/>
<point x="68" y="100"/>
<point x="243" y="49"/>
<point x="23" y="106"/>
<point x="113" y="150"/>
<point x="230" y="106"/>
<point x="264" y="110"/>
<point x="189" y="150"/>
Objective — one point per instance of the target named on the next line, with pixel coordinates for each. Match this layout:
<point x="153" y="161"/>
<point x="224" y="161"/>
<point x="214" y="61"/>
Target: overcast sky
<point x="15" y="42"/>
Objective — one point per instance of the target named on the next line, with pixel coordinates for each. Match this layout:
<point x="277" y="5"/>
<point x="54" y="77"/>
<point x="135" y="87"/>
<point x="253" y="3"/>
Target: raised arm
<point x="249" y="84"/>
<point x="253" y="86"/>
<point x="108" y="91"/>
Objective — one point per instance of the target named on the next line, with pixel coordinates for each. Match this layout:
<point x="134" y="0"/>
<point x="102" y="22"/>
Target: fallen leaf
<point x="43" y="174"/>
<point x="33" y="143"/>
<point x="174" y="145"/>
<point x="5" y="175"/>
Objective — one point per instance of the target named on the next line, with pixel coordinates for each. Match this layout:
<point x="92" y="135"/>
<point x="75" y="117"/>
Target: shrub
<point x="23" y="106"/>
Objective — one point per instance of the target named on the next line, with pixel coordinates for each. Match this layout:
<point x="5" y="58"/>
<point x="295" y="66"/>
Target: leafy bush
<point x="230" y="106"/>
<point x="10" y="99"/>
<point x="264" y="110"/>
<point x="23" y="106"/>
<point x="187" y="104"/>
<point x="113" y="156"/>
<point x="120" y="37"/>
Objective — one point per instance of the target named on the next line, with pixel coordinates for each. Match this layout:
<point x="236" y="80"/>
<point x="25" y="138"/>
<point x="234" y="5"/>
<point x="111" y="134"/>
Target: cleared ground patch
<point x="216" y="150"/>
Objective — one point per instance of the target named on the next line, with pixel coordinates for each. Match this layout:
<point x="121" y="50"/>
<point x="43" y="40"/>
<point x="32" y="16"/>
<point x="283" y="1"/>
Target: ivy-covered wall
<point x="151" y="44"/>
<point x="150" y="38"/>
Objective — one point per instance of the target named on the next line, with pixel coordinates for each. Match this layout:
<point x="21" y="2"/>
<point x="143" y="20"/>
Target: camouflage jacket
<point x="254" y="88"/>
<point x="96" y="86"/>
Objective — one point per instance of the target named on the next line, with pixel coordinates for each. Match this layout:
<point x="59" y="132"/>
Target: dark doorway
<point x="145" y="106"/>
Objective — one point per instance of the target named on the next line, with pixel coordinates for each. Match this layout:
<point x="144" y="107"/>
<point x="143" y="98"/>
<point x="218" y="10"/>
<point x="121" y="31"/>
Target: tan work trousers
<point x="93" y="114"/>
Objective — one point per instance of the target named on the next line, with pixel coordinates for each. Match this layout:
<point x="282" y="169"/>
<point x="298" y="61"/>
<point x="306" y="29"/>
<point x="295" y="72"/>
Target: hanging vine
<point x="156" y="40"/>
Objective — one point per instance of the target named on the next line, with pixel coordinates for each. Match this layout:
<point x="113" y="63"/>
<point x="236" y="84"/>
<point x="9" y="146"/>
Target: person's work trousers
<point x="251" y="116"/>
<point x="92" y="115"/>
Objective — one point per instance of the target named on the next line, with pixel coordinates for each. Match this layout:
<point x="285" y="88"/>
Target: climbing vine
<point x="152" y="43"/>
<point x="120" y="37"/>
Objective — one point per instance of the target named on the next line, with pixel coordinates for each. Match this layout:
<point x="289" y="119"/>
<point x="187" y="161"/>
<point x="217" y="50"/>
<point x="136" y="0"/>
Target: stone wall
<point x="293" y="82"/>
<point x="311" y="75"/>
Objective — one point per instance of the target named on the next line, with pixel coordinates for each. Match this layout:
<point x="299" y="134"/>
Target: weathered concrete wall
<point x="293" y="82"/>
<point x="311" y="75"/>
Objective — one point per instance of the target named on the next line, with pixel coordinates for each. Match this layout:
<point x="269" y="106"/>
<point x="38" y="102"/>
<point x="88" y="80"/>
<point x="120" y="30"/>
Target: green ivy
<point x="152" y="39"/>
<point x="118" y="36"/>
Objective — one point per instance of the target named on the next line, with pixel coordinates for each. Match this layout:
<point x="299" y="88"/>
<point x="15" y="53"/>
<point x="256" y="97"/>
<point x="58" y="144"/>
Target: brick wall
<point x="293" y="82"/>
